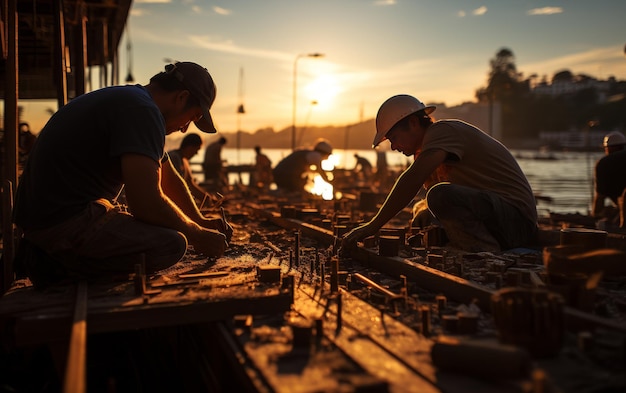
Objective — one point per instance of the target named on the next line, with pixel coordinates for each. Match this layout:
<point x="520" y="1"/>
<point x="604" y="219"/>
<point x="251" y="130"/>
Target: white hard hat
<point x="613" y="139"/>
<point x="395" y="109"/>
<point x="323" y="146"/>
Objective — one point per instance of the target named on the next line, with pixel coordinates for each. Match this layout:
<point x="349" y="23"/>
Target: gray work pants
<point x="103" y="239"/>
<point x="477" y="220"/>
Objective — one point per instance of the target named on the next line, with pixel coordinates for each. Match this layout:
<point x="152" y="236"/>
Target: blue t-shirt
<point x="76" y="158"/>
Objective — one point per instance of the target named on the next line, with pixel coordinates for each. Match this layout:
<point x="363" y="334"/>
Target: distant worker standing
<point x="212" y="165"/>
<point x="383" y="175"/>
<point x="290" y="173"/>
<point x="363" y="166"/>
<point x="610" y="180"/>
<point x="26" y="140"/>
<point x="476" y="189"/>
<point x="262" y="169"/>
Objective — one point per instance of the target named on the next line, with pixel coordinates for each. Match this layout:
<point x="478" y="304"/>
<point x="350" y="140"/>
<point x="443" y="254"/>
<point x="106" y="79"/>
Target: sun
<point x="322" y="90"/>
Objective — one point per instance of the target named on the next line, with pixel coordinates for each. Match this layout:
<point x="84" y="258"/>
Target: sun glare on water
<point x="318" y="186"/>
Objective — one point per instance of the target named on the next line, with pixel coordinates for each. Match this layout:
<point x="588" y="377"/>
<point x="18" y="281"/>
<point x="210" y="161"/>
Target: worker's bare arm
<point x="148" y="203"/>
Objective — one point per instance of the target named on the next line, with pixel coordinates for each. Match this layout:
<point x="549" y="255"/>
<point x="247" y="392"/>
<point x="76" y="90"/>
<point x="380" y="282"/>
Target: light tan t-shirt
<point x="477" y="160"/>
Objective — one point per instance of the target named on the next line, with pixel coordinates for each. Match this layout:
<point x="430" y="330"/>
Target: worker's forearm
<point x="162" y="211"/>
<point x="177" y="191"/>
<point x="187" y="205"/>
<point x="399" y="197"/>
<point x="598" y="205"/>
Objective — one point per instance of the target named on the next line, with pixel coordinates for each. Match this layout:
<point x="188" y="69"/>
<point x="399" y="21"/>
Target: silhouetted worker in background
<point x="290" y="173"/>
<point x="363" y="167"/>
<point x="610" y="180"/>
<point x="189" y="147"/>
<point x="476" y="189"/>
<point x="213" y="166"/>
<point x="382" y="170"/>
<point x="26" y="141"/>
<point x="262" y="169"/>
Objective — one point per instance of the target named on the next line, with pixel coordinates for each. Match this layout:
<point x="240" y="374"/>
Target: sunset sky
<point x="437" y="50"/>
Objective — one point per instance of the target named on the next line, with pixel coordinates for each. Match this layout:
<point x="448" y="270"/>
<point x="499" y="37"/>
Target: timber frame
<point x="48" y="50"/>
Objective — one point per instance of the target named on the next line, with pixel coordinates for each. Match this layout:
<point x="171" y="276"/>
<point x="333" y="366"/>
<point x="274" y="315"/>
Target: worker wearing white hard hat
<point x="476" y="190"/>
<point x="291" y="172"/>
<point x="610" y="181"/>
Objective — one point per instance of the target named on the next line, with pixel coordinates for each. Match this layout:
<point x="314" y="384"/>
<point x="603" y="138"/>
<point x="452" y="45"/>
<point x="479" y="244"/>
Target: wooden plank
<point x="387" y="348"/>
<point x="382" y="346"/>
<point x="108" y="311"/>
<point x="434" y="280"/>
<point x="76" y="367"/>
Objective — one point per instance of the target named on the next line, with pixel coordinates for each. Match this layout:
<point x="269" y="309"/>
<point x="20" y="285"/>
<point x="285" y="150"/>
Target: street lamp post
<point x="295" y="75"/>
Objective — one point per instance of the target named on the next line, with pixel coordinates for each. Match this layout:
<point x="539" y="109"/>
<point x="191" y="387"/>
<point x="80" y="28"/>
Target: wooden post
<point x="80" y="38"/>
<point x="60" y="52"/>
<point x="9" y="175"/>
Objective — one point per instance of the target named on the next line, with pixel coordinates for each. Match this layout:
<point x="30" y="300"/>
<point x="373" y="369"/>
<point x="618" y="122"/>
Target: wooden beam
<point x="35" y="324"/>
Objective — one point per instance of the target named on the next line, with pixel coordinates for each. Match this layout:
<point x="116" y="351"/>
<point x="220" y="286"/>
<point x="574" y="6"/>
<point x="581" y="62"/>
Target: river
<point x="563" y="179"/>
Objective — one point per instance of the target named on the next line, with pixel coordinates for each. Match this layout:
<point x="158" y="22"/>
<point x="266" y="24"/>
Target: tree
<point x="502" y="79"/>
<point x="563" y="76"/>
<point x="506" y="86"/>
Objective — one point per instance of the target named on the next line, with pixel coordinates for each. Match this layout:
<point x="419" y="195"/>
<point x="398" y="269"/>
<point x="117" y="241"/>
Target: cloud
<point x="385" y="2"/>
<point x="229" y="47"/>
<point x="598" y="62"/>
<point x="480" y="11"/>
<point x="461" y="14"/>
<point x="221" y="11"/>
<point x="545" y="11"/>
<point x="138" y="12"/>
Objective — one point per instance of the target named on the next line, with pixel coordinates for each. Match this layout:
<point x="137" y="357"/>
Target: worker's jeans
<point x="477" y="220"/>
<point x="103" y="239"/>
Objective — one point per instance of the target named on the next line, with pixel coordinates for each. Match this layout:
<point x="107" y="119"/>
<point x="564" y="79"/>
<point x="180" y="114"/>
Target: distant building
<point x="564" y="86"/>
<point x="573" y="139"/>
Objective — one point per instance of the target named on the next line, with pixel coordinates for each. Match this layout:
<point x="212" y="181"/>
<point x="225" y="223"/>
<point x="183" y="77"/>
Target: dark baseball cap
<point x="198" y="81"/>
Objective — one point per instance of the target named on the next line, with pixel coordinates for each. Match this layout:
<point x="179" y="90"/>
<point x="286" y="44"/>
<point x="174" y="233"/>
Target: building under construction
<point x="285" y="309"/>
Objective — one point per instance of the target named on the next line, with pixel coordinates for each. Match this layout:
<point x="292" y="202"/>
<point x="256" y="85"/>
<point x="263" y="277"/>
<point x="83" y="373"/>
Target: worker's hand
<point x="209" y="242"/>
<point x="219" y="224"/>
<point x="211" y="201"/>
<point x="351" y="238"/>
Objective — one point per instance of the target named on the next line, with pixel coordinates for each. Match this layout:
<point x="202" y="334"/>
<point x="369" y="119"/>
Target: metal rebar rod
<point x="376" y="286"/>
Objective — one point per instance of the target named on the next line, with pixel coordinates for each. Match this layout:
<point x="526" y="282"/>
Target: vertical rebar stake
<point x="405" y="291"/>
<point x="425" y="317"/>
<point x="339" y="311"/>
<point x="334" y="275"/>
<point x="290" y="259"/>
<point x="297" y="247"/>
<point x="140" y="281"/>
